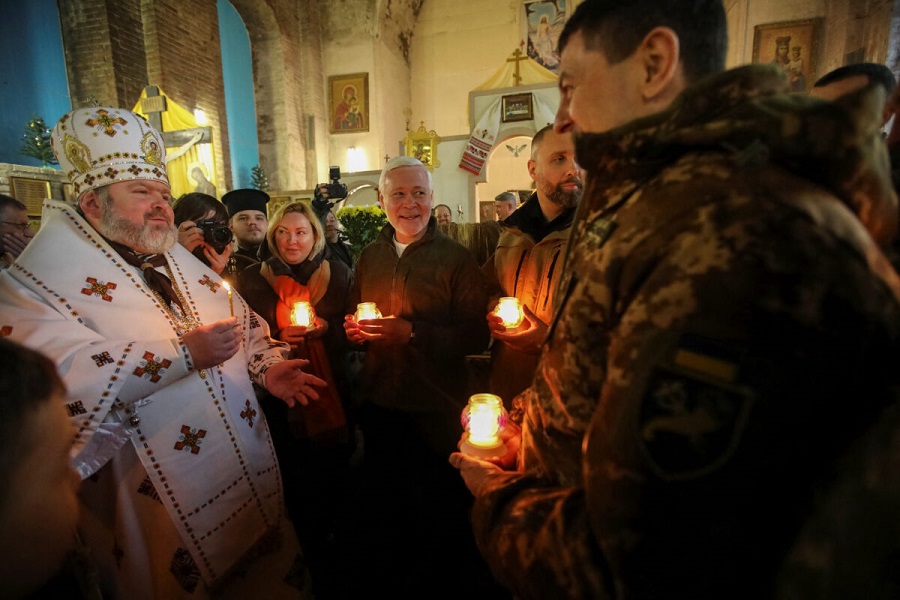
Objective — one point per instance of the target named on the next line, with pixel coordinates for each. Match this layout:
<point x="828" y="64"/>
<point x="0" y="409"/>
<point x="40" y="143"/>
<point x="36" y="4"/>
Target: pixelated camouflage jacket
<point x="724" y="325"/>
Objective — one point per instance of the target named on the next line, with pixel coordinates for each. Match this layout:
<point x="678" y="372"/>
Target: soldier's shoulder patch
<point x="693" y="412"/>
<point x="599" y="231"/>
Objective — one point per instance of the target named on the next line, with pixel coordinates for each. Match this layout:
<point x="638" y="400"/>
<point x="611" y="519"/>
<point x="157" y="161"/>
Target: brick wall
<point x="116" y="47"/>
<point x="184" y="59"/>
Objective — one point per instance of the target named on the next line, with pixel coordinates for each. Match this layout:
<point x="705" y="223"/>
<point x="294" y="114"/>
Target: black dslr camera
<point x="215" y="234"/>
<point x="336" y="189"/>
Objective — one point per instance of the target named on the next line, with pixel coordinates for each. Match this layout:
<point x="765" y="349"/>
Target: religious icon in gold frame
<point x="348" y="101"/>
<point x="791" y="45"/>
<point x="422" y="144"/>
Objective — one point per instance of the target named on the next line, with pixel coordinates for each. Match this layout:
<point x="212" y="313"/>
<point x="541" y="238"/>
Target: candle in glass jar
<point x="367" y="310"/>
<point x="484" y="417"/>
<point x="510" y="312"/>
<point x="302" y="313"/>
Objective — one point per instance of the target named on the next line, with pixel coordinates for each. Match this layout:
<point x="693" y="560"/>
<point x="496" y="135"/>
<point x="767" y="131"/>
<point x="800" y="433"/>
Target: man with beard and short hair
<point x="528" y="260"/>
<point x="181" y="484"/>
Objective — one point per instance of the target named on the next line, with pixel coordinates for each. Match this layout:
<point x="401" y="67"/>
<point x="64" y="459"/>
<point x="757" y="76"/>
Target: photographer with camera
<point x="202" y="223"/>
<point x="326" y="196"/>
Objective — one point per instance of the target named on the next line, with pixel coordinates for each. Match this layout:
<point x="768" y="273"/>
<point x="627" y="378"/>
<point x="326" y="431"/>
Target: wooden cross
<point x="154" y="105"/>
<point x="517" y="58"/>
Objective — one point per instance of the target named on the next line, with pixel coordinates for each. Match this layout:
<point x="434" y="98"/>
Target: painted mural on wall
<point x="542" y="23"/>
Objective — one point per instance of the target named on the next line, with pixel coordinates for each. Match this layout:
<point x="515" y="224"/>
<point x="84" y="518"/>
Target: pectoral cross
<point x="517" y="58"/>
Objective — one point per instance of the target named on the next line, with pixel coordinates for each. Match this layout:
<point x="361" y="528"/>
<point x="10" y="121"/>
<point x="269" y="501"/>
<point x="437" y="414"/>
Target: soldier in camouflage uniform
<point x="725" y="325"/>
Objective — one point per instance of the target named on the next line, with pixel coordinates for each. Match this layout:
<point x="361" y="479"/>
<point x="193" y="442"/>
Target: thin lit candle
<point x="230" y="299"/>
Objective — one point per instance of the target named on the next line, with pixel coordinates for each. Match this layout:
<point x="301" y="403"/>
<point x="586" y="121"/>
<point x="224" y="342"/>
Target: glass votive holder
<point x="484" y="417"/>
<point x="302" y="313"/>
<point x="366" y="310"/>
<point x="510" y="311"/>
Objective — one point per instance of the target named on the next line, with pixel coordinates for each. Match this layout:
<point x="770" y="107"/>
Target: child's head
<point x="38" y="487"/>
<point x="795" y="52"/>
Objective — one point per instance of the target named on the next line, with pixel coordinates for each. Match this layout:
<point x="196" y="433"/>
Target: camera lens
<point x="220" y="235"/>
<point x="215" y="234"/>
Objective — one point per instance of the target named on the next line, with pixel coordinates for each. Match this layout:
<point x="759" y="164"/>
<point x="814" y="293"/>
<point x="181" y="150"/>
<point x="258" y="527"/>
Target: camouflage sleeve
<point x="537" y="540"/>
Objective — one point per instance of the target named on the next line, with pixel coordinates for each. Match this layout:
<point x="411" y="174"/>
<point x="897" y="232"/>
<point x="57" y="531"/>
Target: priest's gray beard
<point x="143" y="240"/>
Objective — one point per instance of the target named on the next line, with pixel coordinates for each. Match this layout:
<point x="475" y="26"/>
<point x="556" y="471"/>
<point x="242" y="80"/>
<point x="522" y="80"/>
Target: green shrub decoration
<point x="361" y="225"/>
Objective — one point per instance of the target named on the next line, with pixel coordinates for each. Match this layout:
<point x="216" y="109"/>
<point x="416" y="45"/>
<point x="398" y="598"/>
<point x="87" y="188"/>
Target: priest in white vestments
<point x="182" y="495"/>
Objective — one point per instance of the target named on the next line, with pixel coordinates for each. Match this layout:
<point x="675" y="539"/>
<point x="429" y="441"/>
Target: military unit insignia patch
<point x="692" y="413"/>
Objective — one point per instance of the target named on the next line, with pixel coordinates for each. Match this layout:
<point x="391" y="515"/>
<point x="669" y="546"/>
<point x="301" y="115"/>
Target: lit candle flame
<point x="484" y="418"/>
<point x="302" y="314"/>
<point x="230" y="299"/>
<point x="510" y="312"/>
<point x="367" y="310"/>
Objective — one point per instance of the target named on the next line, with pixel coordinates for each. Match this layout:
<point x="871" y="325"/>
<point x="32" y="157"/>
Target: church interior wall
<point x="457" y="46"/>
<point x="357" y="56"/>
<point x="184" y="58"/>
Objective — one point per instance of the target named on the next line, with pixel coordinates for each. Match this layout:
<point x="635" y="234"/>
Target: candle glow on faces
<point x="510" y="311"/>
<point x="302" y="313"/>
<point x="484" y="418"/>
<point x="366" y="310"/>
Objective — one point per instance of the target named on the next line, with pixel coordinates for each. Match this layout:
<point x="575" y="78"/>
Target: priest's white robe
<point x="182" y="488"/>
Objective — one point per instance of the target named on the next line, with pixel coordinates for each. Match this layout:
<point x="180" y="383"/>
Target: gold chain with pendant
<point x="184" y="319"/>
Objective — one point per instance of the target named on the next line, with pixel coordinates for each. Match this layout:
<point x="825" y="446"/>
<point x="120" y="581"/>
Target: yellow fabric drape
<point x="199" y="155"/>
<point x="529" y="71"/>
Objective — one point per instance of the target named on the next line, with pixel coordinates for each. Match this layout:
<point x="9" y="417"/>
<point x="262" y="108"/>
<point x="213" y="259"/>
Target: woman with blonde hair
<point x="312" y="442"/>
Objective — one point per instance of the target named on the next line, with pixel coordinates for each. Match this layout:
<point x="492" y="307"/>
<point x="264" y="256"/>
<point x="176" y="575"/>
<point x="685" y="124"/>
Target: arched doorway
<point x="506" y="170"/>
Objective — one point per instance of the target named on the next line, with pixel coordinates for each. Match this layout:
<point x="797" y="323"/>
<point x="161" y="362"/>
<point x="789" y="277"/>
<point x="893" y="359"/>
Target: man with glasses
<point x="14" y="231"/>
